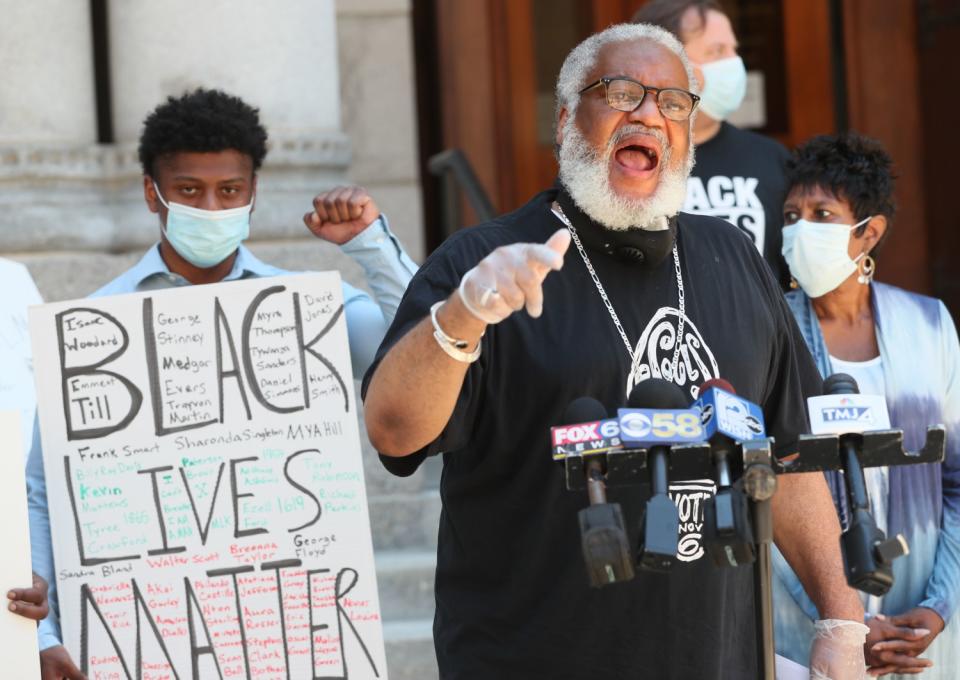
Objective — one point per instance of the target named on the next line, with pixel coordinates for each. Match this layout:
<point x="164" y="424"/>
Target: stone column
<point x="46" y="92"/>
<point x="50" y="166"/>
<point x="378" y="90"/>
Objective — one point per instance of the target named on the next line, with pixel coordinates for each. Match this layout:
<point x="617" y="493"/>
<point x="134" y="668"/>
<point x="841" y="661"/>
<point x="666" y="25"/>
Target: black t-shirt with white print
<point x="512" y="594"/>
<point x="740" y="177"/>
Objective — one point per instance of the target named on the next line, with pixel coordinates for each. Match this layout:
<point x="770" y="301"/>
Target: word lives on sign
<point x="205" y="483"/>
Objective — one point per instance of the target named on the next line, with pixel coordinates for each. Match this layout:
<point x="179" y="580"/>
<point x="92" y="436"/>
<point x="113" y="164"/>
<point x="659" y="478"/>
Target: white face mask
<point x="724" y="87"/>
<point x="205" y="238"/>
<point x="817" y="255"/>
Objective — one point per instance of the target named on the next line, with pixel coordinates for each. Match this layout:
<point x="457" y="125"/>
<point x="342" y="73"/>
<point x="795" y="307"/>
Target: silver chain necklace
<point x="558" y="211"/>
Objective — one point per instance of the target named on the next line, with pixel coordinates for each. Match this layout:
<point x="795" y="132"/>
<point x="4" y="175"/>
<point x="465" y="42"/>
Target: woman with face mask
<point x="902" y="345"/>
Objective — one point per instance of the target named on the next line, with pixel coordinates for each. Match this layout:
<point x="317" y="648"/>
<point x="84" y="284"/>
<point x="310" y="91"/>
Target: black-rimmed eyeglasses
<point x="624" y="94"/>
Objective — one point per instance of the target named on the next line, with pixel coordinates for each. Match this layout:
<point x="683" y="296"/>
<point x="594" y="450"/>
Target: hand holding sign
<point x="511" y="278"/>
<point x="30" y="603"/>
<point x="56" y="664"/>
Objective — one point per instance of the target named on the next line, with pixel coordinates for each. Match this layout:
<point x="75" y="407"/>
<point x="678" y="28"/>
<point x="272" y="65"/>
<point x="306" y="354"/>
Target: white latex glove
<point x="511" y="278"/>
<point x="837" y="650"/>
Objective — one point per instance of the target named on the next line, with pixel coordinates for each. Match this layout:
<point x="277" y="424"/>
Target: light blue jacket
<point x="921" y="368"/>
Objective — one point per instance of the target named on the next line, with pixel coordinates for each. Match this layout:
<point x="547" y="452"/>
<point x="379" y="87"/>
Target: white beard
<point x="585" y="173"/>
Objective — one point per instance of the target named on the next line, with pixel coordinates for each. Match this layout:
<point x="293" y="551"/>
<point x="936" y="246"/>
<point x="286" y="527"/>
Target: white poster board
<point x="16" y="367"/>
<point x="21" y="654"/>
<point x="205" y="483"/>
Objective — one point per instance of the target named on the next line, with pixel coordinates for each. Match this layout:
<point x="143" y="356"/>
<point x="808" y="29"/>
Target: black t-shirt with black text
<point x="513" y="600"/>
<point x="740" y="177"/>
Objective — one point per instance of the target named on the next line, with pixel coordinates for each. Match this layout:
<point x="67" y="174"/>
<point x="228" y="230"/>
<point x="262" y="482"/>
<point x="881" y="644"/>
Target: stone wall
<point x="378" y="103"/>
<point x="334" y="83"/>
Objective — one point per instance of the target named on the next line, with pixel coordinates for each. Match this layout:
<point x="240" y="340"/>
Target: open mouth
<point x="638" y="155"/>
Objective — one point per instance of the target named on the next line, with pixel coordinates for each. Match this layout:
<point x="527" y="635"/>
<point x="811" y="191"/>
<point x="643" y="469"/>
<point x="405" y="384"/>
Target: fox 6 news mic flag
<point x="581" y="439"/>
<point x="205" y="485"/>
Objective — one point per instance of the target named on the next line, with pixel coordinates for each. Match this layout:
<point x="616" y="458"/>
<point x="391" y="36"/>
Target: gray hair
<point x="583" y="57"/>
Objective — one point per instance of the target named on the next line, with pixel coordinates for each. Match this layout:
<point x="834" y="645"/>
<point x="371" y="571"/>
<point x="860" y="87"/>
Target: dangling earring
<point x="867" y="268"/>
<point x="793" y="284"/>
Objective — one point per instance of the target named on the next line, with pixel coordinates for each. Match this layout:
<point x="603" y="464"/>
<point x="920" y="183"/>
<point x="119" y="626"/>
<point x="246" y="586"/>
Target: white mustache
<point x="638" y="129"/>
<point x="585" y="172"/>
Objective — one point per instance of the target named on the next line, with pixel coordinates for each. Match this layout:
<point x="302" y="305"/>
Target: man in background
<point x="739" y="175"/>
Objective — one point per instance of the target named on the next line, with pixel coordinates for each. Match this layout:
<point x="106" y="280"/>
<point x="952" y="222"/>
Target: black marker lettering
<point x="221" y="322"/>
<point x="232" y="573"/>
<point x="196" y="651"/>
<point x="248" y="319"/>
<point x="153" y="371"/>
<point x="277" y="566"/>
<point x="86" y="599"/>
<point x="141" y="605"/>
<point x="166" y="550"/>
<point x="205" y="529"/>
<point x="341" y="592"/>
<point x="304" y="377"/>
<point x="314" y="627"/>
<point x="96" y="407"/>
<point x="305" y="490"/>
<point x="308" y="347"/>
<point x="237" y="532"/>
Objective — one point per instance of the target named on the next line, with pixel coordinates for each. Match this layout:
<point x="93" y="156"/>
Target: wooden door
<point x="497" y="60"/>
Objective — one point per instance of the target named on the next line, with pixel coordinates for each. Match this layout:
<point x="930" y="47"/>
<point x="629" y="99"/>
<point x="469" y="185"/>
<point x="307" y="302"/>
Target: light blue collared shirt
<point x="388" y="270"/>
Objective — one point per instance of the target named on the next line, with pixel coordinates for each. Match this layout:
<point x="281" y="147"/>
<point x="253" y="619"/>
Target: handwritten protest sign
<point x="205" y="484"/>
<point x="16" y="367"/>
<point x="21" y="658"/>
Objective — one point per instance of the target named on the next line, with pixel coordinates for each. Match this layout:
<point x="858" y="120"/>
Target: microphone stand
<point x="817" y="453"/>
<point x="759" y="484"/>
<point x="867" y="556"/>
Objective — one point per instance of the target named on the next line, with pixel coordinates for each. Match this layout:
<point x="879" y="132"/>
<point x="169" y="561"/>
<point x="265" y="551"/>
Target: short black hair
<point x="852" y="167"/>
<point x="202" y="121"/>
<point x="668" y="14"/>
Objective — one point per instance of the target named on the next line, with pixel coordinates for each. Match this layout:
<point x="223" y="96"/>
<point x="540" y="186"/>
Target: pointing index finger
<point x="559" y="241"/>
<point x="544" y="257"/>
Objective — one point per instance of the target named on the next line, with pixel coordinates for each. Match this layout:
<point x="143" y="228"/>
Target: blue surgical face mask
<point x="724" y="87"/>
<point x="205" y="238"/>
<point x="817" y="254"/>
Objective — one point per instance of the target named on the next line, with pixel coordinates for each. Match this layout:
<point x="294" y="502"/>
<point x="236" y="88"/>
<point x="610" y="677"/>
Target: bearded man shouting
<point x="643" y="292"/>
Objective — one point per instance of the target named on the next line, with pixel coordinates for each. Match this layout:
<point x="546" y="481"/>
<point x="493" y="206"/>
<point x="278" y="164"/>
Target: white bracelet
<point x="452" y="346"/>
<point x="488" y="293"/>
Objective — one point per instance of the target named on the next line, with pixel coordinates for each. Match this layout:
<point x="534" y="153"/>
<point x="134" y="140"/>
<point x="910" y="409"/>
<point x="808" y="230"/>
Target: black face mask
<point x="640" y="246"/>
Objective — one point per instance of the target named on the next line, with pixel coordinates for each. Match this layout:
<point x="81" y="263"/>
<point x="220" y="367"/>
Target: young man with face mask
<point x="200" y="155"/>
<point x="739" y="175"/>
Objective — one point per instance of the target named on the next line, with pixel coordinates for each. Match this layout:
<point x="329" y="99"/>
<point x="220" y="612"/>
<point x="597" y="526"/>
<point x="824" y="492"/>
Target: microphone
<point x="657" y="415"/>
<point x="867" y="554"/>
<point x="603" y="536"/>
<point x="727" y="420"/>
<point x="589" y="431"/>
